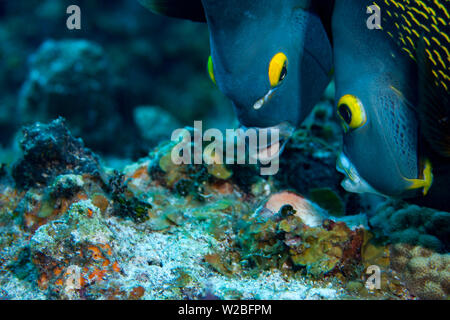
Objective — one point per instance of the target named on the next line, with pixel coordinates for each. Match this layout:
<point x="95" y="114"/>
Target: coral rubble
<point x="74" y="229"/>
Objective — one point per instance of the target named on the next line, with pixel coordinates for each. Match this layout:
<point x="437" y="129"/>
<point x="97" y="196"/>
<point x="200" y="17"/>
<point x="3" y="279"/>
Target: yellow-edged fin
<point x="182" y="9"/>
<point x="424" y="183"/>
<point x="433" y="108"/>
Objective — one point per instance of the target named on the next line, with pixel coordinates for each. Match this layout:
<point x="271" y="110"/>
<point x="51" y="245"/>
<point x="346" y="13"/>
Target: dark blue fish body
<point x="246" y="35"/>
<point x="392" y="95"/>
<point x="273" y="59"/>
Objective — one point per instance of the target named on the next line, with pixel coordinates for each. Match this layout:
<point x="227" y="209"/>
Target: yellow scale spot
<point x="446" y="77"/>
<point x="434" y="20"/>
<point x="395" y="3"/>
<point x="439" y="58"/>
<point x="447" y="53"/>
<point x="406" y="20"/>
<point x="435" y="28"/>
<point x="432" y="11"/>
<point x="409" y="52"/>
<point x="430" y="56"/>
<point x="402" y="39"/>
<point x="420" y="12"/>
<point x="445" y="36"/>
<point x="442" y="21"/>
<point x="440" y="6"/>
<point x="406" y="29"/>
<point x="436" y="40"/>
<point x="411" y="42"/>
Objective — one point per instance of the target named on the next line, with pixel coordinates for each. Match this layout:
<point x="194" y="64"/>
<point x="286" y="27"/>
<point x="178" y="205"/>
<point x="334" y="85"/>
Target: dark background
<point x="133" y="58"/>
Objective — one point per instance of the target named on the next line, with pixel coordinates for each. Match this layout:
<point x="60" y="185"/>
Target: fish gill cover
<point x="110" y="189"/>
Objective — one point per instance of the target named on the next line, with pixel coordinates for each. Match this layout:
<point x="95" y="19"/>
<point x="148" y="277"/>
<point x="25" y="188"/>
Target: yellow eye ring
<point x="211" y="70"/>
<point x="351" y="110"/>
<point x="277" y="69"/>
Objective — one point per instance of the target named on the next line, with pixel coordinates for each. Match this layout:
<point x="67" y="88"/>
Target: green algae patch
<point x="220" y="171"/>
<point x="212" y="210"/>
<point x="327" y="199"/>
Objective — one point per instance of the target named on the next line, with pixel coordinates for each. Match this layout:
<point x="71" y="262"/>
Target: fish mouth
<point x="264" y="100"/>
<point x="353" y="182"/>
<point x="273" y="145"/>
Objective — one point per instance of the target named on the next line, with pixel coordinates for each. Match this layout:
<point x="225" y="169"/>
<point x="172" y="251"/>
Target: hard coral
<point x="74" y="251"/>
<point x="321" y="246"/>
<point x="399" y="222"/>
<point x="187" y="180"/>
<point x="330" y="248"/>
<point x="426" y="273"/>
<point x="50" y="150"/>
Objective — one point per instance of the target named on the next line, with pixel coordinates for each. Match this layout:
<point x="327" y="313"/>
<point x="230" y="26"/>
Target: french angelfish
<point x="392" y="87"/>
<point x="273" y="59"/>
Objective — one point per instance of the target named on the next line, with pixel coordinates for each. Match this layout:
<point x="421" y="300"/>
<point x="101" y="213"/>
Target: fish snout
<point x="268" y="142"/>
<point x="353" y="182"/>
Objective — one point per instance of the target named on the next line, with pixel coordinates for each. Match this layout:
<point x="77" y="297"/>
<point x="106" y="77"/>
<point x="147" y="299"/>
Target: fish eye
<point x="351" y="110"/>
<point x="277" y="69"/>
<point x="211" y="69"/>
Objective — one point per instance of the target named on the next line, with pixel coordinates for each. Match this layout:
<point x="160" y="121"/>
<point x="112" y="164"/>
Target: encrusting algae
<point x="159" y="230"/>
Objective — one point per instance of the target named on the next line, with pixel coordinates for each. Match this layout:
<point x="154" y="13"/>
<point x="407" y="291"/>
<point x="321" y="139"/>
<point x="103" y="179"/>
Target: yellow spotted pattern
<point x="406" y="21"/>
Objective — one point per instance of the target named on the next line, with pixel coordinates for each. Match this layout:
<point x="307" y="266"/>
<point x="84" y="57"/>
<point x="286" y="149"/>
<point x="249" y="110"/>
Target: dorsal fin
<point x="324" y="10"/>
<point x="182" y="9"/>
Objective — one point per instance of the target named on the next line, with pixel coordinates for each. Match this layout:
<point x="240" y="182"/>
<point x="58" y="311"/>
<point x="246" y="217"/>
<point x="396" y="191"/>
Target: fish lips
<point x="353" y="182"/>
<point x="271" y="141"/>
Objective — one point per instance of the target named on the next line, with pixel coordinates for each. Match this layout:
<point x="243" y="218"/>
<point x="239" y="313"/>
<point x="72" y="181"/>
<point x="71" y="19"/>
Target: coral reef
<point x="50" y="150"/>
<point x="110" y="216"/>
<point x="159" y="230"/>
<point x="73" y="251"/>
<point x="301" y="236"/>
<point x="73" y="229"/>
<point x="426" y="273"/>
<point x="400" y="222"/>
